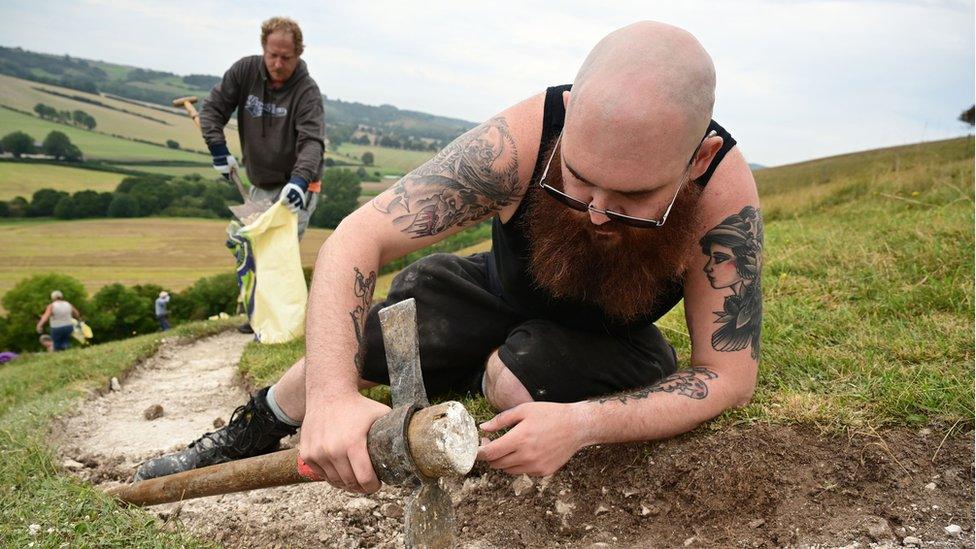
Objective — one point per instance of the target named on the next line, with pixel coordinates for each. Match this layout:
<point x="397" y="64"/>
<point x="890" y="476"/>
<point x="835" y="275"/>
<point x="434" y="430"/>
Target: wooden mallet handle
<point x="443" y="440"/>
<point x="187" y="103"/>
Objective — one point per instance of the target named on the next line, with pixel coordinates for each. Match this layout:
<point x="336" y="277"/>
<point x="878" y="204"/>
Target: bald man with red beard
<point x="611" y="199"/>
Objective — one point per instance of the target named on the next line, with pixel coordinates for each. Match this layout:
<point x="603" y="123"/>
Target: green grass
<point x="93" y="145"/>
<point x="18" y="179"/>
<point x="868" y="293"/>
<point x="391" y="160"/>
<point x="33" y="390"/>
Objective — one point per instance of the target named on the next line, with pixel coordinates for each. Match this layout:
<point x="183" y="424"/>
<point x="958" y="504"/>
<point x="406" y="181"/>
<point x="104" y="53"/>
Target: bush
<point x="340" y="194"/>
<point x="119" y="312"/>
<point x="43" y="202"/>
<point x="4" y="209"/>
<point x="89" y="204"/>
<point x="66" y="209"/>
<point x="368" y="158"/>
<point x="58" y="145"/>
<point x="25" y="303"/>
<point x="18" y="207"/>
<point x="207" y="296"/>
<point x="18" y="143"/>
<point x="172" y="144"/>
<point x="123" y="205"/>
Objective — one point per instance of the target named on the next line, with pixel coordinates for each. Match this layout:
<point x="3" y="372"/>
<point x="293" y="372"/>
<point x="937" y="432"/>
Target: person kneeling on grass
<point x="59" y="312"/>
<point x="612" y="199"/>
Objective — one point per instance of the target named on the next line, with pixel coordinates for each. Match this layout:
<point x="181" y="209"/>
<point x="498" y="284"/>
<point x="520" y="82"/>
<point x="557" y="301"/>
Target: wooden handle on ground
<point x="443" y="441"/>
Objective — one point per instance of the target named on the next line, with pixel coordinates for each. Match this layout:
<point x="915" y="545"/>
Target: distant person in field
<point x="280" y="121"/>
<point x="60" y="314"/>
<point x="162" y="314"/>
<point x="611" y="200"/>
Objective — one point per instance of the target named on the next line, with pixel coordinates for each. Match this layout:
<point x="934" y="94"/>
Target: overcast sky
<point x="796" y="79"/>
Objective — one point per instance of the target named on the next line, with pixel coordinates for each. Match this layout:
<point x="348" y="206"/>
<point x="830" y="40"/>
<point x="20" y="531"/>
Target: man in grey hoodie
<point x="279" y="117"/>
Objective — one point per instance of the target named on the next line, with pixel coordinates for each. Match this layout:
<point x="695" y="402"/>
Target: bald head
<point x="645" y="92"/>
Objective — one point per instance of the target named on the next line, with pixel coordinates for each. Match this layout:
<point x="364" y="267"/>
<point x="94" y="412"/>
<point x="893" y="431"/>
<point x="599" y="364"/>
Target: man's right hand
<point x="333" y="441"/>
<point x="223" y="161"/>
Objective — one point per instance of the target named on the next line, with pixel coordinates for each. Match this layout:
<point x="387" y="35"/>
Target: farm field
<point x="94" y="146"/>
<point x="395" y="159"/>
<point x="139" y="122"/>
<point x="24" y="179"/>
<point x="172" y="252"/>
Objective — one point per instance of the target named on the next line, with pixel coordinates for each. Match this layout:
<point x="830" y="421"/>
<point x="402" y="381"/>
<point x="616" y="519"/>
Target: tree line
<point x="77" y="117"/>
<point x="56" y="144"/>
<point x="135" y="196"/>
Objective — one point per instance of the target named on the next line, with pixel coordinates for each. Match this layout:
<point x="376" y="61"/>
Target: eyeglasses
<point x="639" y="222"/>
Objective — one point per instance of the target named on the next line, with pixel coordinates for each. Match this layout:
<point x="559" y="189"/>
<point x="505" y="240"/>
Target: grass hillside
<point x="171" y="252"/>
<point x="113" y="116"/>
<point x="868" y="324"/>
<point x="868" y="293"/>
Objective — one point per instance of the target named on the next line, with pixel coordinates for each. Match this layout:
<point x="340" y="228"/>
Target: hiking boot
<point x="253" y="430"/>
<point x="245" y="328"/>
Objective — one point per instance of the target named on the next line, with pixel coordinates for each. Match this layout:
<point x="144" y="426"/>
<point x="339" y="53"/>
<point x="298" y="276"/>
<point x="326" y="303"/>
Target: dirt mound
<point x="760" y="486"/>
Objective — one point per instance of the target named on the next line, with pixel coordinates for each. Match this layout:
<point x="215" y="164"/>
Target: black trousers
<point x="461" y="322"/>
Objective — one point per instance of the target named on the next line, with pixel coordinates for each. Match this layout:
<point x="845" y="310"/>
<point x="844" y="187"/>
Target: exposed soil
<point x="758" y="486"/>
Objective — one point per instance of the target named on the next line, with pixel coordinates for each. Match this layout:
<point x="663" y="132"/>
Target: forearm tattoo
<point x="470" y="179"/>
<point x="690" y="383"/>
<point x="363" y="288"/>
<point x="735" y="257"/>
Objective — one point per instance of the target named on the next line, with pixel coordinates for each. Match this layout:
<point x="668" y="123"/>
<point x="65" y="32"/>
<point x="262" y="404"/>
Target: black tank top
<point x="508" y="268"/>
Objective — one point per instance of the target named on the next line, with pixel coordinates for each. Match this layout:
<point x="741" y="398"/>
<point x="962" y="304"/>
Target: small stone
<point x="219" y="422"/>
<point x="604" y="490"/>
<point x="544" y="483"/>
<point x="911" y="541"/>
<point x="757" y="523"/>
<point x="600" y="510"/>
<point x="628" y="493"/>
<point x="953" y="529"/>
<point x="72" y="465"/>
<point x="391" y="510"/>
<point x="600" y="544"/>
<point x="114" y="384"/>
<point x="645" y="510"/>
<point x="930" y="486"/>
<point x="689" y="541"/>
<point x="34" y="529"/>
<point x="588" y="527"/>
<point x="564" y="508"/>
<point x="522" y="485"/>
<point x="153" y="412"/>
<point x="877" y="528"/>
<point x="360" y="505"/>
<point x="924" y="432"/>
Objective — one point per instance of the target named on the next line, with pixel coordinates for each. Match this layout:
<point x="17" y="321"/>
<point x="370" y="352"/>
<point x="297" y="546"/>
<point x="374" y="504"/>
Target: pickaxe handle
<point x="187" y="103"/>
<point x="447" y="423"/>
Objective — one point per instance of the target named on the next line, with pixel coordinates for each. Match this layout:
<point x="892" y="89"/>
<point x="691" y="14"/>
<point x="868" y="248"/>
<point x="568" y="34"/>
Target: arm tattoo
<point x="689" y="383"/>
<point x="735" y="258"/>
<point x="363" y="288"/>
<point x="470" y="179"/>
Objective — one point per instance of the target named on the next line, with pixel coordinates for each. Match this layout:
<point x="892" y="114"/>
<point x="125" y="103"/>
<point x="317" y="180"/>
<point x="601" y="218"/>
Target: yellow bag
<point x="270" y="272"/>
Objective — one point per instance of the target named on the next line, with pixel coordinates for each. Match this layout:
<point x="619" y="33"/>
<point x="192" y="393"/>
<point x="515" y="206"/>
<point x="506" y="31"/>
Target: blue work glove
<point x="223" y="161"/>
<point x="294" y="194"/>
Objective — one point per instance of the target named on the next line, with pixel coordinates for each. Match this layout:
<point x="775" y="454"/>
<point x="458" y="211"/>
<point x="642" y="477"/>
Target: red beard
<point x="623" y="270"/>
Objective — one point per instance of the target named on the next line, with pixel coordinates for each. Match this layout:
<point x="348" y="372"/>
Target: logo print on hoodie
<point x="257" y="109"/>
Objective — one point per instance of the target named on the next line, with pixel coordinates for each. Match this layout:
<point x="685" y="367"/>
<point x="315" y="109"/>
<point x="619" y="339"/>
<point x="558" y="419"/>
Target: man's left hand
<point x="542" y="438"/>
<point x="293" y="194"/>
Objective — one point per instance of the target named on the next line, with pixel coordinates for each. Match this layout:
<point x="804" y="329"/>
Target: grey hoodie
<point x="282" y="130"/>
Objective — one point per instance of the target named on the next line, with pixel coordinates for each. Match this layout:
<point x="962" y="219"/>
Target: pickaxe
<point x="414" y="444"/>
<point x="248" y="211"/>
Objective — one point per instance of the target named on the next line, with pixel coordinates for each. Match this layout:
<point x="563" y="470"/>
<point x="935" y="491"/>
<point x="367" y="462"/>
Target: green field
<point x="94" y="146"/>
<point x="153" y="125"/>
<point x="402" y="161"/>
<point x="23" y="179"/>
<point x="171" y="252"/>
